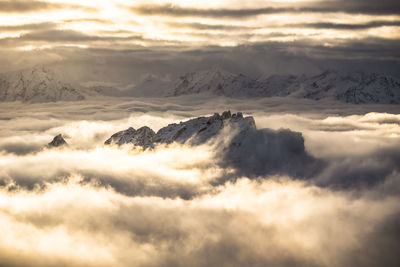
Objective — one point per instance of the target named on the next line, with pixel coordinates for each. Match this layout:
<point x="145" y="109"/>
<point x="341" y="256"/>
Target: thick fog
<point x="317" y="185"/>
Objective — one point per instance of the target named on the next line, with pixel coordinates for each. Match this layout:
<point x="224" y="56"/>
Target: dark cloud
<point x="363" y="171"/>
<point x="30" y="26"/>
<point x="70" y="36"/>
<point x="22" y="6"/>
<point x="20" y="148"/>
<point x="131" y="64"/>
<point x="319" y="25"/>
<point x="204" y="26"/>
<point x="346" y="26"/>
<point x="177" y="11"/>
<point x="43" y="35"/>
<point x="368" y="7"/>
<point x="267" y="152"/>
<point x="383" y="240"/>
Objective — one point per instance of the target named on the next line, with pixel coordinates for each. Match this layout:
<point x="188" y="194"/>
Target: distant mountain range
<point x="350" y="87"/>
<point x="41" y="84"/>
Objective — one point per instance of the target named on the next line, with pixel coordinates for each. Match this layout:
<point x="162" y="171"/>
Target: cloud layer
<point x="294" y="33"/>
<point x="95" y="205"/>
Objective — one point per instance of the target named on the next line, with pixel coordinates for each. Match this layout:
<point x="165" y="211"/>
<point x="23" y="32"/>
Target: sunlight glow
<point x="114" y="19"/>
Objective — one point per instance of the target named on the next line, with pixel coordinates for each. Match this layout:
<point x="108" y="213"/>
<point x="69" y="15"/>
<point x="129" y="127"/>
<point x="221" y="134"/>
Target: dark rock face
<point x="57" y="141"/>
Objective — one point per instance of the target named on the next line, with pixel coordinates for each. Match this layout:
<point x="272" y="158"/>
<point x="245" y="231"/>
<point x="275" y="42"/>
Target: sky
<point x="317" y="182"/>
<point x="166" y="38"/>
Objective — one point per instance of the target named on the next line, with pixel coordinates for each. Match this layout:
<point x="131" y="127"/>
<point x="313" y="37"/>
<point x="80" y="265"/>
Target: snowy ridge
<point x="194" y="132"/>
<point x="214" y="81"/>
<point x="239" y="143"/>
<point x="39" y="84"/>
<point x="142" y="137"/>
<point x="349" y="87"/>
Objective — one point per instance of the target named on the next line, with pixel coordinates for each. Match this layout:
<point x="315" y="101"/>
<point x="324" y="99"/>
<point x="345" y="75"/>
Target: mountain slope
<point x="150" y="86"/>
<point x="214" y="81"/>
<point x="39" y="84"/>
<point x="349" y="87"/>
<point x="194" y="132"/>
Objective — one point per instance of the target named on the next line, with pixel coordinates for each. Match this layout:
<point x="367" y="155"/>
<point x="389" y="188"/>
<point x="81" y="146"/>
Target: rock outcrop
<point x="58" y="141"/>
<point x="194" y="132"/>
<point x="142" y="137"/>
<point x="238" y="144"/>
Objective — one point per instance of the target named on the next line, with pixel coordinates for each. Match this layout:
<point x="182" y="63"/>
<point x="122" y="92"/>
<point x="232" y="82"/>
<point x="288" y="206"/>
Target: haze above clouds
<point x="120" y="42"/>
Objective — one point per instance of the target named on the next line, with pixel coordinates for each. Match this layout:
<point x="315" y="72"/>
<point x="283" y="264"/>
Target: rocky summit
<point x="239" y="144"/>
<point x="141" y="137"/>
<point x="57" y="141"/>
<point x="194" y="132"/>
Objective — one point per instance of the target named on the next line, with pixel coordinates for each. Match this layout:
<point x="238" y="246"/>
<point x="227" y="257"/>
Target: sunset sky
<point x="153" y="133"/>
<point x="267" y="34"/>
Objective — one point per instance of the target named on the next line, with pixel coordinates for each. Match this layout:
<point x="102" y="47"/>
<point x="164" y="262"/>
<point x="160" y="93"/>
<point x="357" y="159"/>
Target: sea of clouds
<point x="336" y="203"/>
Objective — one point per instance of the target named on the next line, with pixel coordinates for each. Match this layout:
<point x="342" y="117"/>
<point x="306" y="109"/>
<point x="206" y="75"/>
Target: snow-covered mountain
<point x="42" y="84"/>
<point x="214" y="81"/>
<point x="194" y="132"/>
<point x="239" y="143"/>
<point x="141" y="137"/>
<point x="38" y="84"/>
<point x="278" y="85"/>
<point x="350" y="87"/>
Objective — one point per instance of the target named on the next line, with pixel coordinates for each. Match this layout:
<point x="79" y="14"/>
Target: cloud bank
<point x="177" y="205"/>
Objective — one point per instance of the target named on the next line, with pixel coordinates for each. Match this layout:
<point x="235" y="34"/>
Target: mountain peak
<point x="194" y="132"/>
<point x="212" y="81"/>
<point x="37" y="84"/>
<point x="57" y="141"/>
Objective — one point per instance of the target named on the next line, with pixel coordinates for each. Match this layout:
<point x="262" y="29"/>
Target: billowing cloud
<point x="266" y="223"/>
<point x="95" y="205"/>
